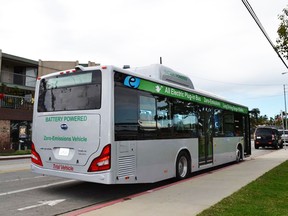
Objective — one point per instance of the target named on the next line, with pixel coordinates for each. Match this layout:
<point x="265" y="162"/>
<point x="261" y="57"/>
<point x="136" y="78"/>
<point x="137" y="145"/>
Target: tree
<point x="282" y="41"/>
<point x="256" y="119"/>
<point x="254" y="115"/>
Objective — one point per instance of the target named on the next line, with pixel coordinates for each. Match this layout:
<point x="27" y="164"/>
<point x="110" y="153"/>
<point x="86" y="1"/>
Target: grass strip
<point x="18" y="152"/>
<point x="267" y="195"/>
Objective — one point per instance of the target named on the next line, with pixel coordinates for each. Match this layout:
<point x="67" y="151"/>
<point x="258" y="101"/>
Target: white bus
<point x="111" y="125"/>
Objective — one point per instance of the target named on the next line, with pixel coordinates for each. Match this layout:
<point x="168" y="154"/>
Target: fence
<point x="16" y="102"/>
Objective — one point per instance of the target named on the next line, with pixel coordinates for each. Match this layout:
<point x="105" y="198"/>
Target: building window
<point x="31" y="74"/>
<point x="25" y="76"/>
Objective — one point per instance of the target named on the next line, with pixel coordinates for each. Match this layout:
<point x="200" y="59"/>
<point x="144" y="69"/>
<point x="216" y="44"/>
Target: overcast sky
<point x="216" y="43"/>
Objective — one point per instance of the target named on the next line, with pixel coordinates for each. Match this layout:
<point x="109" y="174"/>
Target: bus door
<point x="205" y="141"/>
<point x="247" y="138"/>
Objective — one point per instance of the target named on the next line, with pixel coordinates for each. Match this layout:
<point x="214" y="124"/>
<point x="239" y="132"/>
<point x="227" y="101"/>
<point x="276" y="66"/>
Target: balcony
<point x="17" y="102"/>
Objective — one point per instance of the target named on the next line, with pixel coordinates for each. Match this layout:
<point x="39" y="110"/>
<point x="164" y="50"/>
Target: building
<point x="47" y="67"/>
<point x="17" y="86"/>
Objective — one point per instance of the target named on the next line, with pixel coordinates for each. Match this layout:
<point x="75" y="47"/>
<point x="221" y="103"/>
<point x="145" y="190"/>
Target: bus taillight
<point x="103" y="162"/>
<point x="35" y="157"/>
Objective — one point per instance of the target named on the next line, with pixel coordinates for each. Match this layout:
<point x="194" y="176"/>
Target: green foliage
<point x="266" y="195"/>
<point x="256" y="119"/>
<point x="17" y="152"/>
<point x="282" y="40"/>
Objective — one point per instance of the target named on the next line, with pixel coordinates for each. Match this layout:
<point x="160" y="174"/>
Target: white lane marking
<point x="42" y="203"/>
<point x="37" y="187"/>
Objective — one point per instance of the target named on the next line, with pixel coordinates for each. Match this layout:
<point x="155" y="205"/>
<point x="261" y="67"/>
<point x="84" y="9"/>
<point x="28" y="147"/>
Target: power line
<point x="253" y="14"/>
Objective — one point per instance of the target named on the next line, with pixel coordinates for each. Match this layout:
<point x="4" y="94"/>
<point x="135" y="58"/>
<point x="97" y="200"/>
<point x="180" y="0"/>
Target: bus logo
<point x="158" y="88"/>
<point x="64" y="126"/>
<point x="132" y="82"/>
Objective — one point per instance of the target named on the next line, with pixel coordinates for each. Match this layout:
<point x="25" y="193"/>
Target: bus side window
<point x="218" y="123"/>
<point x="228" y="123"/>
<point x="147" y="113"/>
<point x="185" y="120"/>
<point x="125" y="114"/>
<point x="164" y="121"/>
<point x="238" y="124"/>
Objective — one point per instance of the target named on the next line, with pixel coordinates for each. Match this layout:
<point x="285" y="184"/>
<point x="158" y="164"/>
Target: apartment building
<point x="17" y="86"/>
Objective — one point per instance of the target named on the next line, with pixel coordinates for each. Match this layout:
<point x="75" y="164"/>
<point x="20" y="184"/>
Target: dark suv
<point x="267" y="137"/>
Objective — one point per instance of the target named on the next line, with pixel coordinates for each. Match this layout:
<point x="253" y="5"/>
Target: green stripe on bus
<point x="188" y="96"/>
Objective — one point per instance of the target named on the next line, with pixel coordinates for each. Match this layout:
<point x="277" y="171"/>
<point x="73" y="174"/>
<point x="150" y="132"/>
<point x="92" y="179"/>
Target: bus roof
<point x="161" y="72"/>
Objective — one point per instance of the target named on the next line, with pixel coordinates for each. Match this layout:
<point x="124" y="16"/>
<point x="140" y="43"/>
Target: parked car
<point x="284" y="136"/>
<point x="267" y="137"/>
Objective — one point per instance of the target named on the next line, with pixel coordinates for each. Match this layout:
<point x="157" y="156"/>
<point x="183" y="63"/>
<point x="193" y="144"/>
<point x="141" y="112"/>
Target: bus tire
<point x="182" y="165"/>
<point x="238" y="154"/>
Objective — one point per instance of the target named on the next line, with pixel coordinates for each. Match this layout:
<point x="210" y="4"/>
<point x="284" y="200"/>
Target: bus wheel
<point x="238" y="155"/>
<point x="182" y="166"/>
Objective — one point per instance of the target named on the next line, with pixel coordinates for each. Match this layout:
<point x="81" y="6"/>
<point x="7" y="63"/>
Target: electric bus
<point x="112" y="125"/>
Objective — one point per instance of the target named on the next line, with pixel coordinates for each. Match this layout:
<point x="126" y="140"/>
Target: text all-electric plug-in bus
<point x="111" y="125"/>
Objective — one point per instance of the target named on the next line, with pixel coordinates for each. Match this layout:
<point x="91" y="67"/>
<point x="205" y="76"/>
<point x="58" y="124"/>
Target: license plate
<point x="64" y="151"/>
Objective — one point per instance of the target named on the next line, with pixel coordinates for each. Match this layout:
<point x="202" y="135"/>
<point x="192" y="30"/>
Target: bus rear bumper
<point x="102" y="178"/>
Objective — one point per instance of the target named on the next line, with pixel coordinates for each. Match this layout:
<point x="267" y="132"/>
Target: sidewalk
<point x="193" y="195"/>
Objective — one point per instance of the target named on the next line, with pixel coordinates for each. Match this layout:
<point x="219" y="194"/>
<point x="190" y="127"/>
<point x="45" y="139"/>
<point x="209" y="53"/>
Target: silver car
<point x="284" y="136"/>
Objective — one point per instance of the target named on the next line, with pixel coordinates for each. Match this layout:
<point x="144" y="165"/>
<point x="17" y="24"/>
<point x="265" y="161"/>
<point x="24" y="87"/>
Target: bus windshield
<point x="70" y="92"/>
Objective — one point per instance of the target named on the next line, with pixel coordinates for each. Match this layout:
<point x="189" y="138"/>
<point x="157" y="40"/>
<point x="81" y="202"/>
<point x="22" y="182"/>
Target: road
<point x="26" y="193"/>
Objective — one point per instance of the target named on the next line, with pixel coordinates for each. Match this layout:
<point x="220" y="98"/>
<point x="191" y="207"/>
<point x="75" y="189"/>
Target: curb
<point x="15" y="157"/>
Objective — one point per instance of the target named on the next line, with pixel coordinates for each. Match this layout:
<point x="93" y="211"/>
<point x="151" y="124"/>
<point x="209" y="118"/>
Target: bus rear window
<point x="70" y="92"/>
<point x="63" y="81"/>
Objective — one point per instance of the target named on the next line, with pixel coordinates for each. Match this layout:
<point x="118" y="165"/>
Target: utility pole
<point x="285" y="107"/>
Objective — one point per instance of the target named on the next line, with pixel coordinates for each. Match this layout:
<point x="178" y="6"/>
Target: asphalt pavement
<point x="191" y="196"/>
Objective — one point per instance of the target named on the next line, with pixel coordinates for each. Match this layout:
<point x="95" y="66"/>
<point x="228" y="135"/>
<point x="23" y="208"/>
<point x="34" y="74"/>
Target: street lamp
<point x="285" y="102"/>
<point x="285" y="126"/>
<point x="285" y="106"/>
